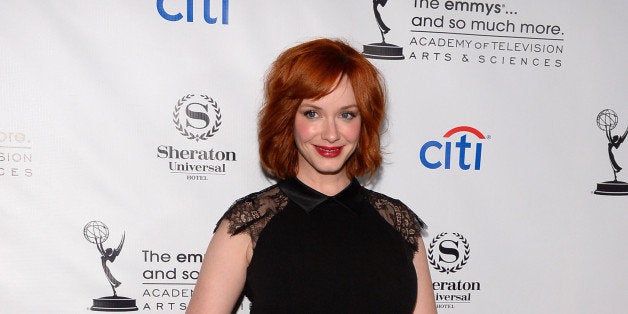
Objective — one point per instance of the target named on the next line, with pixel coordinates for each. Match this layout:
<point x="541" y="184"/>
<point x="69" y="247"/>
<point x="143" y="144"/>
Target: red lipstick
<point x="328" y="152"/>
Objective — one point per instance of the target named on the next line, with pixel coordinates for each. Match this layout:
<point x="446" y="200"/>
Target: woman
<point x="317" y="241"/>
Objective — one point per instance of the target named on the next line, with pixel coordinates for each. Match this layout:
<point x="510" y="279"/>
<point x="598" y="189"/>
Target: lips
<point x="328" y="152"/>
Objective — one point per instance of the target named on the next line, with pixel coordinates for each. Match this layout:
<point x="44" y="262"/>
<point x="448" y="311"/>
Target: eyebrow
<point x="341" y="108"/>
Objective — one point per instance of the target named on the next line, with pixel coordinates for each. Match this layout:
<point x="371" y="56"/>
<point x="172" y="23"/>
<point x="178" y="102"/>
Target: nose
<point x="330" y="133"/>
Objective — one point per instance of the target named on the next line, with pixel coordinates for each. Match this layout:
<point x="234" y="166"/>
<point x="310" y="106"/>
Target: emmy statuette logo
<point x="382" y="50"/>
<point x="607" y="120"/>
<point x="97" y="233"/>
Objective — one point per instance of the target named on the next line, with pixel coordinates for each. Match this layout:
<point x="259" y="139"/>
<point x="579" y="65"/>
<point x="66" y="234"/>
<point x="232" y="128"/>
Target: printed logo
<point x="448" y="253"/>
<point x="197" y="118"/>
<point x="462" y="32"/>
<point x="169" y="279"/>
<point x="97" y="233"/>
<point x="452" y="252"/>
<point x="607" y="120"/>
<point x="197" y="124"/>
<point x="208" y="15"/>
<point x="15" y="155"/>
<point x="435" y="154"/>
<point x="382" y="50"/>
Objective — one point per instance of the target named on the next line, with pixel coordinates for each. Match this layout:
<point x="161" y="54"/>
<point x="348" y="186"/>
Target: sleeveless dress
<point x="312" y="253"/>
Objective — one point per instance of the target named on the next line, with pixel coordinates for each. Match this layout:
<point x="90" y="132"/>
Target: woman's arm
<point x="223" y="273"/>
<point x="425" y="303"/>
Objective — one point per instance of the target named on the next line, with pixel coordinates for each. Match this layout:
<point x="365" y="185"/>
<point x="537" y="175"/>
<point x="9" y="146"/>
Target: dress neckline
<point x="309" y="198"/>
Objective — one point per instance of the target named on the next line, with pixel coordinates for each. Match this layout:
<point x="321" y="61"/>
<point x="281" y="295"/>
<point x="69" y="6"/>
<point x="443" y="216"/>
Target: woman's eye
<point x="348" y="115"/>
<point x="310" y="114"/>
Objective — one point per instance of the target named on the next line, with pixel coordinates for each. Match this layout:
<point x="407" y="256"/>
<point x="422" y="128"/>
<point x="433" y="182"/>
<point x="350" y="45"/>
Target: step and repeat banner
<point x="127" y="128"/>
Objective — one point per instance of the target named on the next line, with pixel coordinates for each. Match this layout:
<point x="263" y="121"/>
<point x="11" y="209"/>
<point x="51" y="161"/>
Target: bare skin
<point x="326" y="132"/>
<point x="425" y="303"/>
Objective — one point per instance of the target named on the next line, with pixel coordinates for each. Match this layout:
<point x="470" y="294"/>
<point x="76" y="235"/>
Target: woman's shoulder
<point x="251" y="213"/>
<point x="398" y="215"/>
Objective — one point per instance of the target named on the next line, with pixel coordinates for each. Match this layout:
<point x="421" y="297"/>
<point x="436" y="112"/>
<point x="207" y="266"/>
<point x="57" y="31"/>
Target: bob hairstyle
<point x="311" y="70"/>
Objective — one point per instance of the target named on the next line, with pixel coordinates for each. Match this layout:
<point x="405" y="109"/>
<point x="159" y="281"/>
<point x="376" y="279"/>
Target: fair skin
<point x="326" y="133"/>
<point x="425" y="303"/>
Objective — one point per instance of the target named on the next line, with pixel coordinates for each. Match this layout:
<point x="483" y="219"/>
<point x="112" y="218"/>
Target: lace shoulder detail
<point x="398" y="215"/>
<point x="252" y="212"/>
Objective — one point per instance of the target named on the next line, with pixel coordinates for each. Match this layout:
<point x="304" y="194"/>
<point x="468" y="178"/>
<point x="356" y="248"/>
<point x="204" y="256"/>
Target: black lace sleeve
<point x="398" y="215"/>
<point x="252" y="212"/>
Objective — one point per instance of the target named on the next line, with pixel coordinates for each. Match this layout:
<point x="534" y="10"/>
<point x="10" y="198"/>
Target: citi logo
<point x="187" y="6"/>
<point x="467" y="149"/>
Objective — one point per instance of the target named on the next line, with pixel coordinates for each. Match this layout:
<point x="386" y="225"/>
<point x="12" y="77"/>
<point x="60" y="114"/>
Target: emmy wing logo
<point x="382" y="50"/>
<point x="607" y="120"/>
<point x="97" y="233"/>
<point x="197" y="117"/>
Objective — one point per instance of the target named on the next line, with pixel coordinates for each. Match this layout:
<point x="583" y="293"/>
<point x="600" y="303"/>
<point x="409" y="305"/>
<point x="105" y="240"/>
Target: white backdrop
<point x="91" y="92"/>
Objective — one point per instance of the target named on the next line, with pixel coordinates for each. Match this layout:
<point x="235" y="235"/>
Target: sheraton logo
<point x="197" y="118"/>
<point x="448" y="253"/>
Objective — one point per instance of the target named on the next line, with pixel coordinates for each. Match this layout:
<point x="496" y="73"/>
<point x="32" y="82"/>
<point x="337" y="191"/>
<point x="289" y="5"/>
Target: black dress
<point x="348" y="253"/>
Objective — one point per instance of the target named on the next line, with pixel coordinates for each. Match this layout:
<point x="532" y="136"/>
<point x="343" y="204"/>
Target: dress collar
<point x="308" y="198"/>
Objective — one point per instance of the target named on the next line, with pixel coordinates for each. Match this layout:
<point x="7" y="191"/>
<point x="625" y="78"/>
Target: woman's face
<point x="326" y="131"/>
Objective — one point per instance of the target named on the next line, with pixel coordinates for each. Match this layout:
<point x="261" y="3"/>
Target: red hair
<point x="310" y="71"/>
